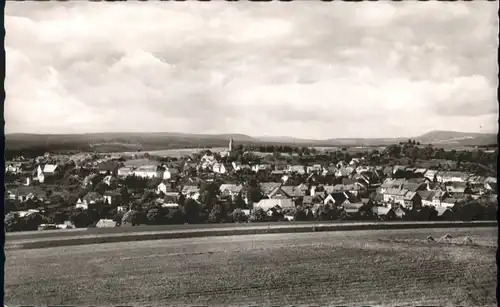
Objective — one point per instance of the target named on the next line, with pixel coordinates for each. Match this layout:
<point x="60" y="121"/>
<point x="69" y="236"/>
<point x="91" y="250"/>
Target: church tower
<point x="231" y="144"/>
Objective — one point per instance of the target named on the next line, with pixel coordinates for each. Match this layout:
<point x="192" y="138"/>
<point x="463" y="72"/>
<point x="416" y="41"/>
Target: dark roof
<point x="108" y="166"/>
<point x="292" y="191"/>
<point x="307" y="199"/>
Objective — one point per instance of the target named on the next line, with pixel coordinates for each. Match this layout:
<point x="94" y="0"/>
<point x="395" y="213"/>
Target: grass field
<point x="377" y="267"/>
<point x="175" y="153"/>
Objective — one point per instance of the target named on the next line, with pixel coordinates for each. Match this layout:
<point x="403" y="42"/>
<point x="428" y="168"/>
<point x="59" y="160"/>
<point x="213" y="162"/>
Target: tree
<point x="117" y="218"/>
<point x="239" y="216"/>
<point x="132" y="218"/>
<point x="13" y="222"/>
<point x="58" y="217"/>
<point x="258" y="215"/>
<point x="175" y="216"/>
<point x="217" y="214"/>
<point x="192" y="211"/>
<point x="101" y="187"/>
<point x="300" y="214"/>
<point x="32" y="221"/>
<point x="239" y="202"/>
<point x="153" y="216"/>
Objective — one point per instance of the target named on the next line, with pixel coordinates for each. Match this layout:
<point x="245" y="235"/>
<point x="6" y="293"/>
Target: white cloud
<point x="328" y="70"/>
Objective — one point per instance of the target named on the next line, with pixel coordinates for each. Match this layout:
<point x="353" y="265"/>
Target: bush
<point x="217" y="214"/>
<point x="153" y="216"/>
<point x="13" y="222"/>
<point x="175" y="216"/>
<point x="239" y="216"/>
<point x="258" y="215"/>
<point x="131" y="218"/>
<point x="300" y="214"/>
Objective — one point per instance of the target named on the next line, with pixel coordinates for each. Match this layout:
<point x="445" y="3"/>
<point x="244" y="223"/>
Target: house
<point x="163" y="187"/>
<point x="25" y="193"/>
<point x="445" y="213"/>
<point x="25" y="213"/>
<point x="383" y="213"/>
<point x="267" y="204"/>
<point x="190" y="191"/>
<point x="345" y="171"/>
<point x="112" y="197"/>
<point x="337" y="199"/>
<point x="399" y="212"/>
<point x="170" y="200"/>
<point x="267" y="187"/>
<point x="169" y="173"/>
<point x="429" y="174"/>
<point x="304" y="188"/>
<point x="92" y="198"/>
<point x="354" y="189"/>
<point x="14" y="168"/>
<point x="449" y="202"/>
<point x="395" y="195"/>
<point x="81" y="205"/>
<point x="363" y="168"/>
<point x="109" y="168"/>
<point x="124" y="172"/>
<point x="420" y="172"/>
<point x="316" y="168"/>
<point x="292" y="191"/>
<point x="230" y="189"/>
<point x="491" y="187"/>
<point x="297" y="169"/>
<point x="261" y="167"/>
<point x="108" y="180"/>
<point x="149" y="171"/>
<point x="391" y="184"/>
<point x="219" y="168"/>
<point x="456" y="187"/>
<point x="432" y="197"/>
<point x="122" y="208"/>
<point x="412" y="200"/>
<point x="414" y="186"/>
<point x="236" y="165"/>
<point x="307" y="201"/>
<point x="105" y="223"/>
<point x="46" y="171"/>
<point x="451" y="177"/>
<point x="354" y="161"/>
<point x="352" y="208"/>
<point x="278" y="193"/>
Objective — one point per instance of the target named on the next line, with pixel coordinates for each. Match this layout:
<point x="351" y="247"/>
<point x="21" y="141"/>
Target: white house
<point x="219" y="168"/>
<point x="105" y="223"/>
<point x="260" y="167"/>
<point x="169" y="173"/>
<point x="81" y="205"/>
<point x="47" y="170"/>
<point x="149" y="171"/>
<point x="162" y="188"/>
<point x="124" y="171"/>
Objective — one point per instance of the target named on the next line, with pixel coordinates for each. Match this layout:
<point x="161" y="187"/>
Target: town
<point x="245" y="183"/>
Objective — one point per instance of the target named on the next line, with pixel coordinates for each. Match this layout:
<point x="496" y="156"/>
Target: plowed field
<point x="378" y="267"/>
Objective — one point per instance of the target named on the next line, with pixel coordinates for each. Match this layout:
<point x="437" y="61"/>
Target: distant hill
<point x="114" y="142"/>
<point x="433" y="137"/>
<point x="461" y="138"/>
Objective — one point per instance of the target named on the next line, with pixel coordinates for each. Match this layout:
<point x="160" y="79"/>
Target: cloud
<point x="312" y="70"/>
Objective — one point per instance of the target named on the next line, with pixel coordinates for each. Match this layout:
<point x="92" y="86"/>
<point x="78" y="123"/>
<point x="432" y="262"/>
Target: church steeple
<point x="230" y="144"/>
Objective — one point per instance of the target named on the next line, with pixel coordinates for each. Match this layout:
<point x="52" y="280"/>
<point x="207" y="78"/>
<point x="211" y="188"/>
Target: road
<point x="329" y="268"/>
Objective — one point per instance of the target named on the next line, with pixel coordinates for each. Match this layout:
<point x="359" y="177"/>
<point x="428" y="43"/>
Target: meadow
<point x="375" y="267"/>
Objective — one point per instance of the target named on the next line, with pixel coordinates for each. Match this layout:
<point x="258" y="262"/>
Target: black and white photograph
<point x="238" y="153"/>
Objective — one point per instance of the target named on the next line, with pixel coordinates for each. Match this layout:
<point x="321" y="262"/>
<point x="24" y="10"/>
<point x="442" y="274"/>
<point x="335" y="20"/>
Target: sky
<point x="302" y="69"/>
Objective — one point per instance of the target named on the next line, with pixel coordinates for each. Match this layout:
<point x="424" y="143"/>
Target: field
<point x="176" y="153"/>
<point x="374" y="267"/>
